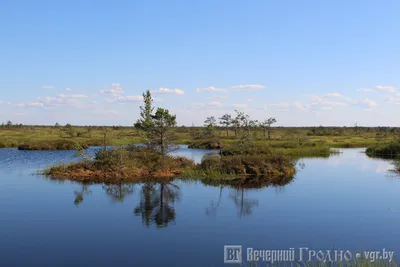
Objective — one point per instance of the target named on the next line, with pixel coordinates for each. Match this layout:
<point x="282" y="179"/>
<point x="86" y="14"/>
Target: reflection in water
<point x="243" y="205"/>
<point x="80" y="195"/>
<point x="301" y="164"/>
<point x="119" y="191"/>
<point x="238" y="188"/>
<point x="212" y="210"/>
<point x="157" y="203"/>
<point x="158" y="198"/>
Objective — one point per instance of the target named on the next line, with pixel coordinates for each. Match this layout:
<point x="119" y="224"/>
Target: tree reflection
<point x="212" y="210"/>
<point x="119" y="191"/>
<point x="238" y="187"/>
<point x="243" y="205"/>
<point x="157" y="203"/>
<point x="80" y="195"/>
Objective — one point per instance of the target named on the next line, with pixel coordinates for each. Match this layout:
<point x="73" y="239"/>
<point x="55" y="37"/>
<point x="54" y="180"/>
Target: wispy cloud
<point x="366" y="90"/>
<point x="72" y="96"/>
<point x="211" y="89"/>
<point x="366" y="102"/>
<point x="301" y="106"/>
<point x="379" y="88"/>
<point x="337" y="95"/>
<point x="389" y="89"/>
<point x="128" y="98"/>
<point x="219" y="97"/>
<point x="48" y="87"/>
<point x="113" y="91"/>
<point x="394" y="99"/>
<point x="214" y="104"/>
<point x="248" y="87"/>
<point x="35" y="104"/>
<point x="239" y="106"/>
<point x="169" y="91"/>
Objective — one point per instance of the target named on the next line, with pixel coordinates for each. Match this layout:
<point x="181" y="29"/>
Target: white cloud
<point x="179" y="91"/>
<point x="319" y="102"/>
<point x="128" y="98"/>
<point x="48" y="87"/>
<point x="214" y="104"/>
<point x="329" y="103"/>
<point x="211" y="89"/>
<point x="394" y="100"/>
<point x="248" y="87"/>
<point x="250" y="100"/>
<point x="239" y="105"/>
<point x="72" y="96"/>
<point x="113" y="90"/>
<point x="367" y="102"/>
<point x="337" y="95"/>
<point x="21" y="105"/>
<point x="36" y="104"/>
<point x="379" y="88"/>
<point x="219" y="97"/>
<point x="169" y="91"/>
<point x="366" y="90"/>
<point x="301" y="106"/>
<point x="68" y="89"/>
<point x="388" y="89"/>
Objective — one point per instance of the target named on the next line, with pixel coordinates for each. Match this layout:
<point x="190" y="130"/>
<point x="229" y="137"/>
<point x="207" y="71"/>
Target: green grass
<point x="390" y="150"/>
<point x="289" y="140"/>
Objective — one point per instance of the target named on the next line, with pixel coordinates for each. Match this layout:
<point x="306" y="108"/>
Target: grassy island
<point x="133" y="163"/>
<point x="389" y="151"/>
<point x="53" y="145"/>
<point x="121" y="164"/>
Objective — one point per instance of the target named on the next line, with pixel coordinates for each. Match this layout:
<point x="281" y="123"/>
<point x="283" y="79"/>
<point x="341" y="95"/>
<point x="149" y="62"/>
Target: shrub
<point x="248" y="164"/>
<point x="110" y="159"/>
<point x="211" y="163"/>
<point x="213" y="143"/>
<point x="51" y="145"/>
<point x="390" y="150"/>
<point x="246" y="150"/>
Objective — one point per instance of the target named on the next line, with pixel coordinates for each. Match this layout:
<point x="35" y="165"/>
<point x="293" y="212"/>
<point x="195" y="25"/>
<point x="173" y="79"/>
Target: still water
<point x="348" y="202"/>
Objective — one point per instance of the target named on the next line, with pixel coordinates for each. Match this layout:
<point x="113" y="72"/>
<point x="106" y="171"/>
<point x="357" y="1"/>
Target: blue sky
<point x="304" y="62"/>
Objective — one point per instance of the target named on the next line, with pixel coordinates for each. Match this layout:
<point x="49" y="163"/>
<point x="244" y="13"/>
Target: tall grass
<point x="390" y="150"/>
<point x="282" y="137"/>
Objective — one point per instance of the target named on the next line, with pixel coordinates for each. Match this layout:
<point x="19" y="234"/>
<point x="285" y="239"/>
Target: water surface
<point x="347" y="201"/>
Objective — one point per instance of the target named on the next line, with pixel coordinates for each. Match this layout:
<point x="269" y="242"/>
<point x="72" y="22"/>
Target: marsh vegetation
<point x="248" y="147"/>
